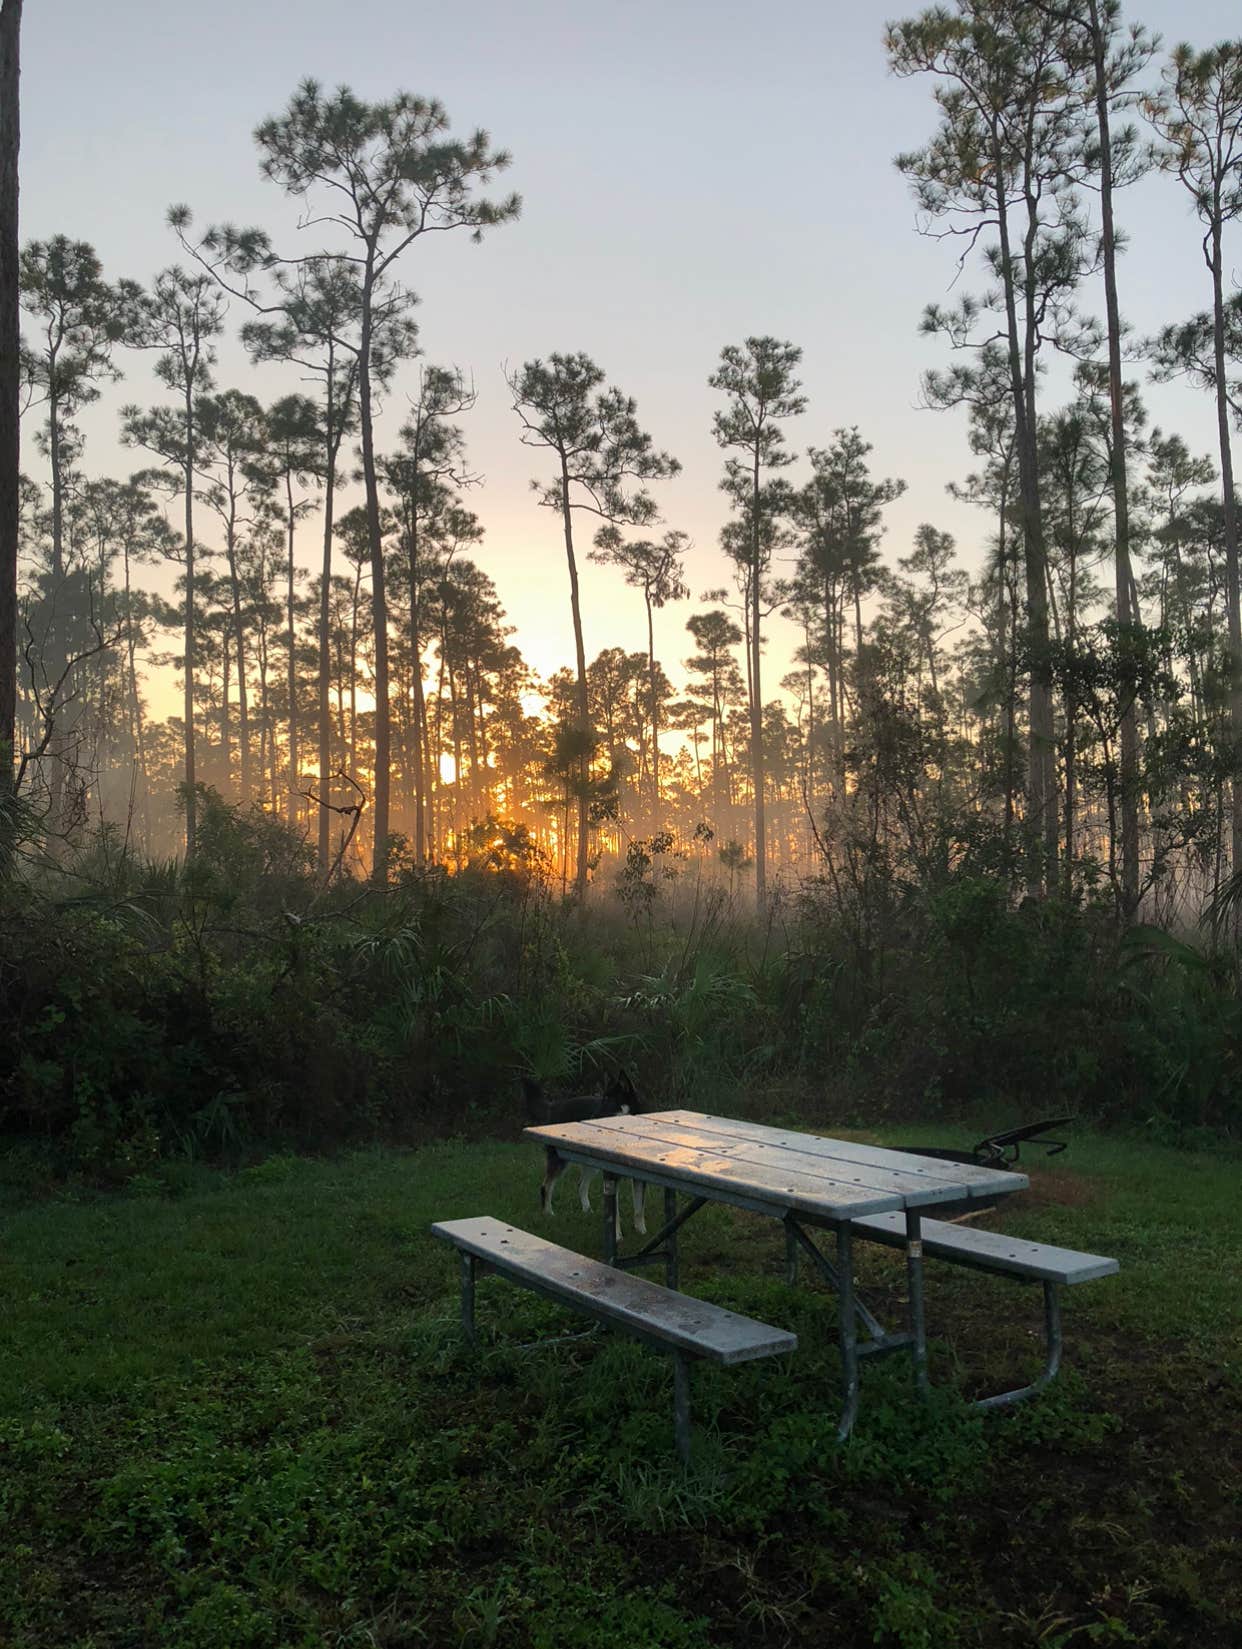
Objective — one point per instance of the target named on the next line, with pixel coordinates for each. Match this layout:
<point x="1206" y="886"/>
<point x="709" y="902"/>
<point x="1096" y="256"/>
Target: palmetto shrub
<point x="147" y="1010"/>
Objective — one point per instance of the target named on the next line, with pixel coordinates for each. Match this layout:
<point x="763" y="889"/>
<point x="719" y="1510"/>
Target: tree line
<point x="1070" y="712"/>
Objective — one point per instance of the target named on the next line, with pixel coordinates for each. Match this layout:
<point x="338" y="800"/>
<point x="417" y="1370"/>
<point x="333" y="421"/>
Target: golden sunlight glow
<point x="448" y="769"/>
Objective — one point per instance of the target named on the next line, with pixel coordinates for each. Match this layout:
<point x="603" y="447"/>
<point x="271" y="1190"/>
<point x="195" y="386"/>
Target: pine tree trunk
<point x="834" y="689"/>
<point x="239" y="654"/>
<point x="1229" y="501"/>
<point x="1041" y="787"/>
<point x="137" y="731"/>
<point x="1044" y="811"/>
<point x="1071" y="725"/>
<point x="353" y="674"/>
<point x="756" y="699"/>
<point x="379" y="600"/>
<point x="55" y="647"/>
<point x="1126" y="615"/>
<point x="583" y="704"/>
<point x="291" y="693"/>
<point x="325" y="641"/>
<point x="10" y="392"/>
<point x="810" y="723"/>
<point x="655" y="717"/>
<point x="226" y="760"/>
<point x="191" y="798"/>
<point x="420" y="701"/>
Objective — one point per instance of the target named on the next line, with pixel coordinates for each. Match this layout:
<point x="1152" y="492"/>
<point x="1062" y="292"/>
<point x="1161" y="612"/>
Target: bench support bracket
<point x="468" y="1264"/>
<point x="1052" y="1356"/>
<point x="841" y="1279"/>
<point x="914" y="1292"/>
<point x="664" y="1244"/>
<point x="886" y="1346"/>
<point x="797" y="1240"/>
<point x="681" y="1406"/>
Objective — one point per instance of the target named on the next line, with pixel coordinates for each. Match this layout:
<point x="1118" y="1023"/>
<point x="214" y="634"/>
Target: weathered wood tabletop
<point x="772" y="1170"/>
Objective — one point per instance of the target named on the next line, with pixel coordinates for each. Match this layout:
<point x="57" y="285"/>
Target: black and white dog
<point x="617" y="1098"/>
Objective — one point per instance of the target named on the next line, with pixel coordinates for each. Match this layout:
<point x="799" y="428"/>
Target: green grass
<point x="241" y="1414"/>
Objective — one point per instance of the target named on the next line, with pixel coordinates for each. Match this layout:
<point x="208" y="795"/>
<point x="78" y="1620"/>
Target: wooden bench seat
<point x="660" y="1317"/>
<point x="1009" y="1256"/>
<point x="990" y="1250"/>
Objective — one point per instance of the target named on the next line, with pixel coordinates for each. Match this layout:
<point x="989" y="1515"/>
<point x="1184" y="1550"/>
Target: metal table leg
<point x="610" y="1220"/>
<point x="467" y="1296"/>
<point x="914" y="1285"/>
<point x="847" y="1331"/>
<point x="670" y="1225"/>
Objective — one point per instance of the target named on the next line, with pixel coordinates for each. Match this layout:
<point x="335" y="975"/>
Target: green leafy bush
<point x="151" y="1009"/>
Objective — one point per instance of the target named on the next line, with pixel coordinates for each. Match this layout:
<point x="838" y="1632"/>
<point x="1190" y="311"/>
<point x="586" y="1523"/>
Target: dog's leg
<point x="640" y="1213"/>
<point x="555" y="1167"/>
<point x="584" y="1188"/>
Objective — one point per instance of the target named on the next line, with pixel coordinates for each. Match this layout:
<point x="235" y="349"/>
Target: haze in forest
<point x="539" y="456"/>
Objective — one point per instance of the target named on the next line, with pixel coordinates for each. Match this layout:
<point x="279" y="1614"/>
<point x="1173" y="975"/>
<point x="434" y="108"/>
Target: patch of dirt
<point x="1059" y="1187"/>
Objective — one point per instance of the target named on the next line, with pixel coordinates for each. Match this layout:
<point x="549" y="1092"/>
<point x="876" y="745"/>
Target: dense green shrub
<point x="148" y="1009"/>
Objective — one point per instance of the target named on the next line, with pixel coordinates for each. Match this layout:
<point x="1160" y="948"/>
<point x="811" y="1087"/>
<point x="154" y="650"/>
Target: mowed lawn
<point x="241" y="1414"/>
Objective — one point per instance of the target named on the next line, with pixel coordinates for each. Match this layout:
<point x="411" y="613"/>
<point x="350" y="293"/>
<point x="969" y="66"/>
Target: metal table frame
<point x="839" y="1275"/>
<point x="838" y="1272"/>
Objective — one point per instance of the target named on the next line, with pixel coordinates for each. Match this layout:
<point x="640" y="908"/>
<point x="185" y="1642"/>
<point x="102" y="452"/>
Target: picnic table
<point x="806" y="1182"/>
<point x="810" y="1184"/>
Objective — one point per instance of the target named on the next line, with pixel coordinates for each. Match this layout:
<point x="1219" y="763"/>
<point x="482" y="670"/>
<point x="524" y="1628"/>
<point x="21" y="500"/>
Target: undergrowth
<point x="239" y="1412"/>
<point x="151" y="1011"/>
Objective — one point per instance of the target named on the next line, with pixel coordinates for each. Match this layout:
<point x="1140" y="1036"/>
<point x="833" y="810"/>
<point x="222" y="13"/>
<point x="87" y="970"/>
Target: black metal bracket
<point x="886" y="1346"/>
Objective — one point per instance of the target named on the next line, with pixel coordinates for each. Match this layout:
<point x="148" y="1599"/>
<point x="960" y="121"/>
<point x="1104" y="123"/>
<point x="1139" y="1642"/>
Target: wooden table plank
<point x="963" y="1179"/>
<point x="782" y="1185"/>
<point x="916" y="1189"/>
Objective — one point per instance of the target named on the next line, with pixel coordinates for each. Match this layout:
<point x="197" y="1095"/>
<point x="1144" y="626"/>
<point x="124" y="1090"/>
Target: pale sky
<point x="692" y="173"/>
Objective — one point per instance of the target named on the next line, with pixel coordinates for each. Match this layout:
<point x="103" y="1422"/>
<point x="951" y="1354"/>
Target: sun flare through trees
<point x="1059" y="699"/>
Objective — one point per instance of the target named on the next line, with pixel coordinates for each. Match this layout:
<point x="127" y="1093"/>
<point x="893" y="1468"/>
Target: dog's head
<point x="616" y="1097"/>
<point x="623" y="1094"/>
